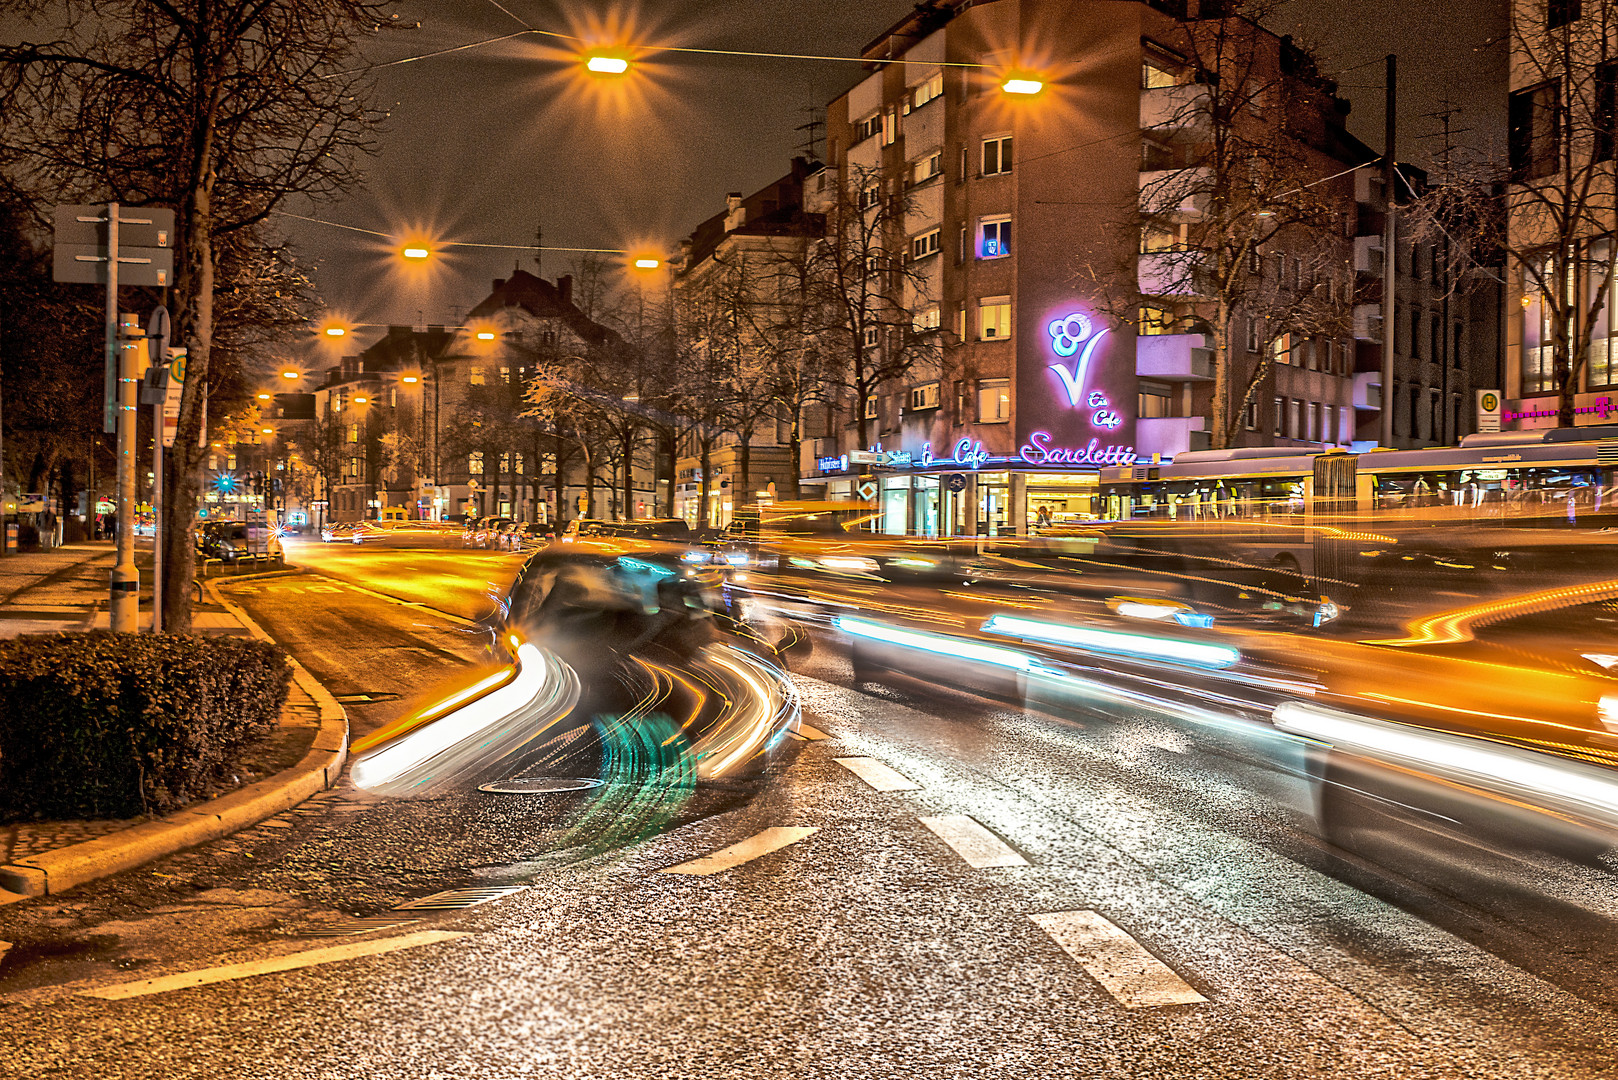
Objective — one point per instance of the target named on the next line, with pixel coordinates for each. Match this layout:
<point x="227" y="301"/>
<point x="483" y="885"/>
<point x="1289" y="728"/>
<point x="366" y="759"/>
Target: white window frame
<point x="1000" y="225"/>
<point x="997" y="394"/>
<point x="925" y="91"/>
<point x="924" y="396"/>
<point x="925" y="168"/>
<point x="1004" y="155"/>
<point x="926" y="320"/>
<point x="873" y="408"/>
<point x="994" y="318"/>
<point x="926" y="244"/>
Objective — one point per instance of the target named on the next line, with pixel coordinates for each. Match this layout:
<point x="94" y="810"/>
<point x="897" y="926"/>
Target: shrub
<point x="114" y="725"/>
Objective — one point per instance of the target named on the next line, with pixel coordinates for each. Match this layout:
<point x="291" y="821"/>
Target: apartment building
<point x="1050" y="252"/>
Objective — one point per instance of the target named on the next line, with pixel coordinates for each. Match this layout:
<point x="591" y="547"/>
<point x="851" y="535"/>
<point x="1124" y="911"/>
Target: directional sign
<point x="867" y="457"/>
<point x="138" y="226"/>
<point x="86" y="264"/>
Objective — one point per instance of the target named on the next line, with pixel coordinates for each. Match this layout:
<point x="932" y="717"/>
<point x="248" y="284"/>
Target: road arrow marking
<point x="1123" y="967"/>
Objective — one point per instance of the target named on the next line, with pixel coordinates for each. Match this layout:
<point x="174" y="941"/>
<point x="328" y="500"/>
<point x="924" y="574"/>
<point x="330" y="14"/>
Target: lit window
<point x="996" y="241"/>
<point x="1155" y="320"/>
<point x="924" y="245"/>
<point x="926" y="319"/>
<point x="476" y="376"/>
<point x="928" y="167"/>
<point x="927" y="91"/>
<point x="868" y="127"/>
<point x="872" y="407"/>
<point x="994" y="401"/>
<point x="872" y="336"/>
<point x="994" y="318"/>
<point x="474" y="462"/>
<point x="924" y="396"/>
<point x="997" y="155"/>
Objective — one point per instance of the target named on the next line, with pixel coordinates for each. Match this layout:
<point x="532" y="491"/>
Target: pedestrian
<point x="1043" y="518"/>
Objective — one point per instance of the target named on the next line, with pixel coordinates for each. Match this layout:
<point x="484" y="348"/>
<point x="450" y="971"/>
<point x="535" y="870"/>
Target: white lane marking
<point x="977" y="845"/>
<point x="771" y="839"/>
<point x="1136" y="978"/>
<point x="809" y="732"/>
<point x="878" y="775"/>
<point x="329" y="955"/>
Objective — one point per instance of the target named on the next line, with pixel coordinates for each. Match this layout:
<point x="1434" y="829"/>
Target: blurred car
<point x="223" y="540"/>
<point x="336" y="531"/>
<point x="525" y="536"/>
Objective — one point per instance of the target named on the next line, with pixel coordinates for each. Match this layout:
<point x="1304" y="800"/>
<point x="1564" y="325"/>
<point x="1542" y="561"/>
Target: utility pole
<point x="125" y="606"/>
<point x="1390" y="253"/>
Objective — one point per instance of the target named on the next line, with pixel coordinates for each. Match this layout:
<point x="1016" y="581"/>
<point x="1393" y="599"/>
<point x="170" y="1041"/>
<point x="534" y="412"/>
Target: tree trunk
<point x="628" y="451"/>
<point x="589" y="482"/>
<point x="669" y="472"/>
<point x="559" y="483"/>
<point x="705" y="457"/>
<point x="1219" y="437"/>
<point x="745" y="474"/>
<point x="795" y="455"/>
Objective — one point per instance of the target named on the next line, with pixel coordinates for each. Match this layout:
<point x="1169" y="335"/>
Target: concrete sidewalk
<point x="65" y="589"/>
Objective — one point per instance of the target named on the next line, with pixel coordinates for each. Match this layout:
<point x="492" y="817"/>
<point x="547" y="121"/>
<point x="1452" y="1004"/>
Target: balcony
<point x="1368" y="254"/>
<point x="1368" y="391"/>
<point x="1368" y="322"/>
<point x="1170" y="435"/>
<point x="1171" y="273"/>
<point x="1178" y="193"/>
<point x="1175" y="108"/>
<point x="1176" y="357"/>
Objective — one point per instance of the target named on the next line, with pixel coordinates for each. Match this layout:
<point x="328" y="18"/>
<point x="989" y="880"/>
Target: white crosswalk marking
<point x="330" y="955"/>
<point x="809" y="732"/>
<point x="972" y="842"/>
<point x="1136" y="978"/>
<point x="876" y="774"/>
<point x="772" y="839"/>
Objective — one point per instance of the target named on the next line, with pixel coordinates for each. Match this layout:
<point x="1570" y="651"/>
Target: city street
<point x="916" y="897"/>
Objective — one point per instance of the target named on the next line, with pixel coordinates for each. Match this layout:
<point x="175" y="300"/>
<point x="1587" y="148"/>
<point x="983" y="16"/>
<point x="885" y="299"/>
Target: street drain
<point x="538" y="785"/>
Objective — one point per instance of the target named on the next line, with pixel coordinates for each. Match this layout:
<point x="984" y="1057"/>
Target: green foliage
<point x="114" y="725"/>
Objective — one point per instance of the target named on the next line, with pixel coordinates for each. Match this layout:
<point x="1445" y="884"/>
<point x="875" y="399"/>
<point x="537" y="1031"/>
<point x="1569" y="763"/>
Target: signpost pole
<point x="125" y="606"/>
<point x="157" y="516"/>
<point x="109" y="405"/>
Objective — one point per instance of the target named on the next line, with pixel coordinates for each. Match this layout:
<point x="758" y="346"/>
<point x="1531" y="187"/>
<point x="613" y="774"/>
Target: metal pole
<point x="4" y="548"/>
<point x="1390" y="253"/>
<point x="157" y="515"/>
<point x="125" y="577"/>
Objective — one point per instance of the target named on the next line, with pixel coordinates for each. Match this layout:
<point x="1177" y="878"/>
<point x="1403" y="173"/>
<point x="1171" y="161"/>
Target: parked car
<point x="526" y="536"/>
<point x="223" y="540"/>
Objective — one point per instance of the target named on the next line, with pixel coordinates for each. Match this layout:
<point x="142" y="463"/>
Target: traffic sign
<point x="867" y="457"/>
<point x="1488" y="410"/>
<point x="955" y="481"/>
<point x="138" y="226"/>
<point x="867" y="489"/>
<point x="86" y="264"/>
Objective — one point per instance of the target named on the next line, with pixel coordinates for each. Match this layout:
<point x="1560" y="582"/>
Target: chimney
<point x="735" y="213"/>
<point x="564" y="286"/>
<point x="499" y="283"/>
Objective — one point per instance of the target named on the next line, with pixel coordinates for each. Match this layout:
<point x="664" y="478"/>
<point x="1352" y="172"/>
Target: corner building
<point x="1011" y="202"/>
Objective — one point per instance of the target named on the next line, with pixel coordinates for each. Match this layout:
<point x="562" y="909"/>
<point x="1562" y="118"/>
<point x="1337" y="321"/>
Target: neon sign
<point x="970" y="454"/>
<point x="1068" y="333"/>
<point x="1039" y="451"/>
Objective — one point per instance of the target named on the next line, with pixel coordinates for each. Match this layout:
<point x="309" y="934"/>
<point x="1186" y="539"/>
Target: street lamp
<point x="417" y="254"/>
<point x="1022" y="84"/>
<point x="606" y="64"/>
<point x="291" y="375"/>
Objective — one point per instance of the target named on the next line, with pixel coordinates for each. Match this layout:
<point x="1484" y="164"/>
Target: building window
<point x="872" y="337"/>
<point x="1155" y="320"/>
<point x="1280" y="417"/>
<point x="1562" y="12"/>
<point x="872" y="407"/>
<point x="996" y="241"/>
<point x="997" y="155"/>
<point x="1250" y="416"/>
<point x="960" y="323"/>
<point x="926" y="320"/>
<point x="476" y="376"/>
<point x="924" y="245"/>
<point x="928" y="167"/>
<point x="994" y="401"/>
<point x="994" y="318"/>
<point x="963" y="401"/>
<point x="1154" y="400"/>
<point x="1281" y="349"/>
<point x="1534" y="135"/>
<point x="964" y="251"/>
<point x="1253" y="342"/>
<point x="924" y="396"/>
<point x="868" y="197"/>
<point x="890" y="127"/>
<point x="927" y="91"/>
<point x="353" y="435"/>
<point x="1161" y="67"/>
<point x="1294" y="419"/>
<point x="1255" y="261"/>
<point x="867" y="127"/>
<point x="474" y="463"/>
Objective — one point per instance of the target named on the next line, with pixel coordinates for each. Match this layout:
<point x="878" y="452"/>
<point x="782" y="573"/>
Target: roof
<point x="773" y="210"/>
<point x="541" y="299"/>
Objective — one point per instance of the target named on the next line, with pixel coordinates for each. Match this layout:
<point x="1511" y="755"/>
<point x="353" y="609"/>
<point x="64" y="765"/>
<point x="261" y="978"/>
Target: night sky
<point x="486" y="144"/>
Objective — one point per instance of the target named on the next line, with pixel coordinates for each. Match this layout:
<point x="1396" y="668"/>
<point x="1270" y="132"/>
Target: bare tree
<point x="223" y="109"/>
<point x="1238" y="218"/>
<point x="857" y="277"/>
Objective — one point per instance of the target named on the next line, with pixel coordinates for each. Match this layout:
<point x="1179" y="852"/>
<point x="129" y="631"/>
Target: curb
<point x="57" y="871"/>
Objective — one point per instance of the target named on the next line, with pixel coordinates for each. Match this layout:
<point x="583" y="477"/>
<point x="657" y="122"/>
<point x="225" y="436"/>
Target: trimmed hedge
<point x="115" y="725"/>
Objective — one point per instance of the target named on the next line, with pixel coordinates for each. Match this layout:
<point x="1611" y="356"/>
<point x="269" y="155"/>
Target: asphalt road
<point x="972" y="892"/>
